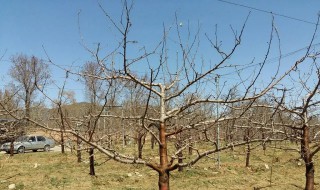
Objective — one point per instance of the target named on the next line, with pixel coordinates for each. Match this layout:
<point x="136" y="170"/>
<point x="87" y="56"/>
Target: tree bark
<point x="305" y="146"/>
<point x="164" y="180"/>
<point x="163" y="152"/>
<point x="92" y="172"/>
<point x="309" y="176"/>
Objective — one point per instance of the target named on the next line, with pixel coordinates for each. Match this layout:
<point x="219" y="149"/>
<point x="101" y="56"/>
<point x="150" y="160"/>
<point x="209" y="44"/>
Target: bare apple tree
<point x="298" y="113"/>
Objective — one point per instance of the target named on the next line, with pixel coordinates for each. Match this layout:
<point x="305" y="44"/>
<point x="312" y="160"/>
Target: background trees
<point x="28" y="72"/>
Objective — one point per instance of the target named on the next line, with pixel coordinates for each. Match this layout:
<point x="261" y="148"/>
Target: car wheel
<point x="46" y="148"/>
<point x="20" y="150"/>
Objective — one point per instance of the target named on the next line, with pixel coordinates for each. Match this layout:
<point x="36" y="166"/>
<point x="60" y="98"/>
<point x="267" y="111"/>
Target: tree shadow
<point x="263" y="187"/>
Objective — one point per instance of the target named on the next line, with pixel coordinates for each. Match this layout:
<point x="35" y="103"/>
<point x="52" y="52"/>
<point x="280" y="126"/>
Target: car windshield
<point x="22" y="139"/>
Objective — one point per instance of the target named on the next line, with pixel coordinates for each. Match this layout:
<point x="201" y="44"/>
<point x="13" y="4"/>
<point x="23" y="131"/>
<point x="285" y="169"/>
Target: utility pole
<point x="218" y="125"/>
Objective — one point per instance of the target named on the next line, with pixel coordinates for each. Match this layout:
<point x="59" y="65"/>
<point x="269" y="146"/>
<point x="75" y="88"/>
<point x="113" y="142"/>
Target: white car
<point x="29" y="142"/>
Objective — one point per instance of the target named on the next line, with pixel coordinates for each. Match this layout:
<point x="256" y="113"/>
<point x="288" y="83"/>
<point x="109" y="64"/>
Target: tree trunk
<point x="152" y="142"/>
<point x="305" y="149"/>
<point x="11" y="147"/>
<point x="140" y="146"/>
<point x="27" y="107"/>
<point x="78" y="150"/>
<point x="190" y="145"/>
<point x="180" y="161"/>
<point x="92" y="172"/>
<point x="247" y="138"/>
<point x="62" y="142"/>
<point x="180" y="154"/>
<point x="309" y="176"/>
<point x="164" y="180"/>
<point x="163" y="153"/>
<point x="248" y="156"/>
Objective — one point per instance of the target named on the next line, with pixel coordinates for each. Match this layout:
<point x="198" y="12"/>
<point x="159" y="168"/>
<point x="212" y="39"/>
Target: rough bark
<point x="163" y="152"/>
<point x="164" y="180"/>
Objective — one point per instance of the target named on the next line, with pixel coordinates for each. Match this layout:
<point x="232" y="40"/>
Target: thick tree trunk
<point x="309" y="176"/>
<point x="163" y="153"/>
<point x="164" y="180"/>
<point x="305" y="149"/>
<point x="92" y="172"/>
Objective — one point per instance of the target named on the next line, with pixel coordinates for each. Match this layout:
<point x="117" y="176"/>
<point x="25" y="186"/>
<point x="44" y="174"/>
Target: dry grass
<point x="57" y="171"/>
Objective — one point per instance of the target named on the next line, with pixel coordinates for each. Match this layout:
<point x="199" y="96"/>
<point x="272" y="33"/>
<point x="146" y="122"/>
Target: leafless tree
<point x="28" y="72"/>
<point x="93" y="84"/>
<point x="299" y="114"/>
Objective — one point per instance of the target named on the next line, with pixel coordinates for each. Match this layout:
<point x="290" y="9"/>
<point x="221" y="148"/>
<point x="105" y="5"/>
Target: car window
<point x="22" y="139"/>
<point x="33" y="139"/>
<point x="41" y="138"/>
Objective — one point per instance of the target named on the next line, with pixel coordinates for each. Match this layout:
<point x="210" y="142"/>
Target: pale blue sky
<point x="27" y="25"/>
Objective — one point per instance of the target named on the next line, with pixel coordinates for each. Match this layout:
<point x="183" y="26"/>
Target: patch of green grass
<point x="58" y="182"/>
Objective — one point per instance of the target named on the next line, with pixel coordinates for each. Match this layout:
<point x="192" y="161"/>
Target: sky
<point x="60" y="28"/>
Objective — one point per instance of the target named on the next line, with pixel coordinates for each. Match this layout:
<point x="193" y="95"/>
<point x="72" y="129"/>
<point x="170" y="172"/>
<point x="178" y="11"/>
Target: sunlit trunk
<point x="163" y="151"/>
<point x="305" y="149"/>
